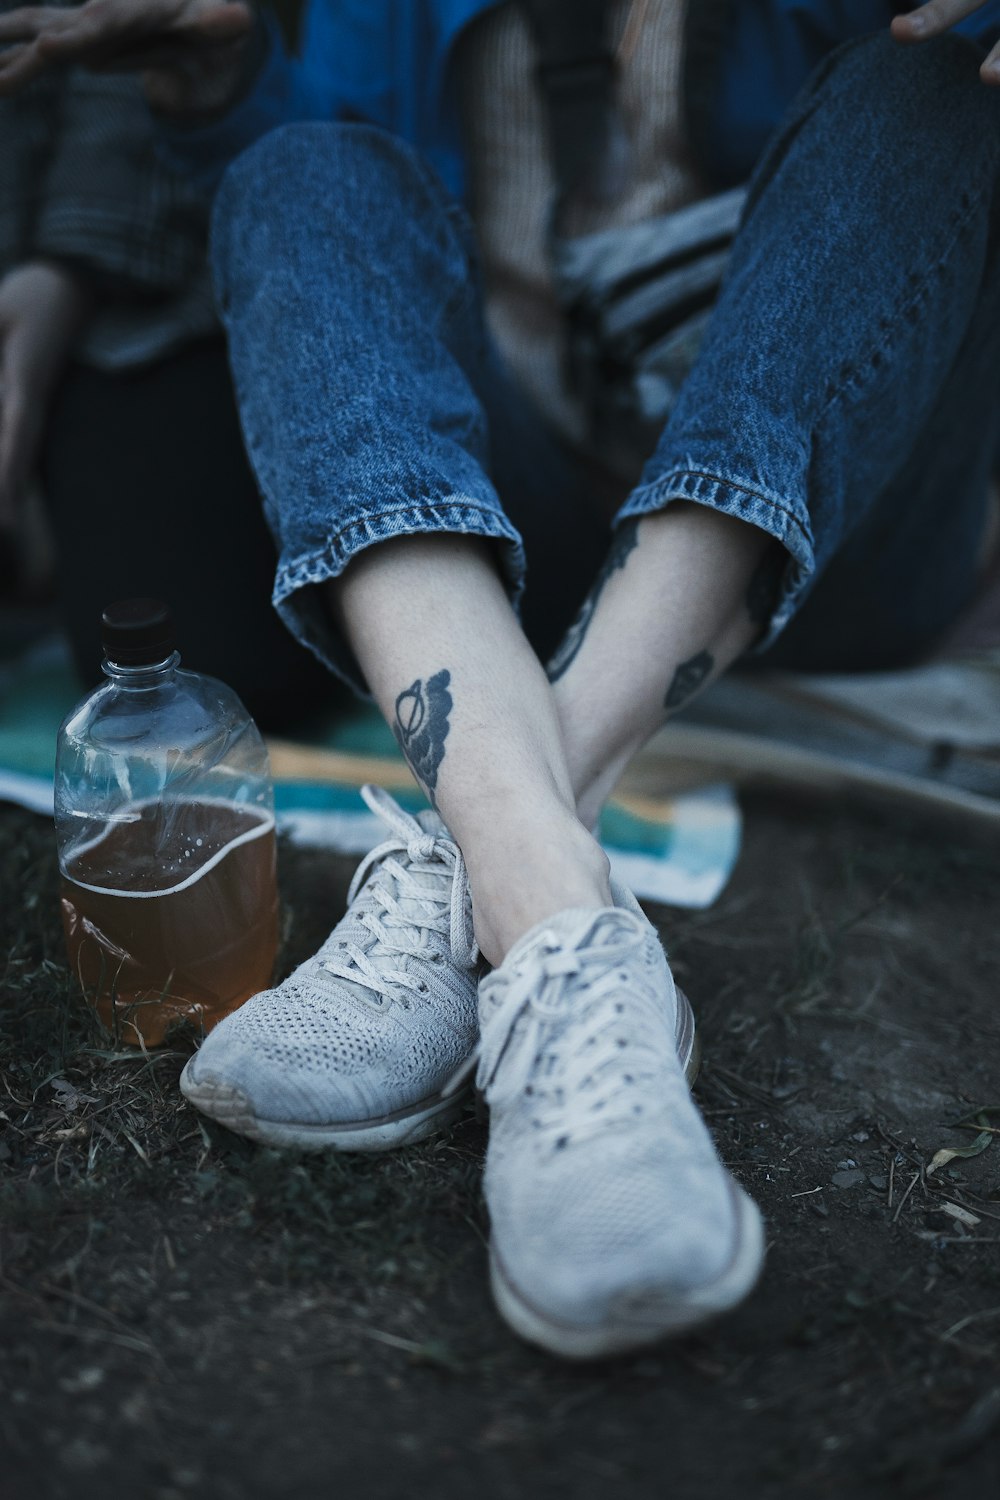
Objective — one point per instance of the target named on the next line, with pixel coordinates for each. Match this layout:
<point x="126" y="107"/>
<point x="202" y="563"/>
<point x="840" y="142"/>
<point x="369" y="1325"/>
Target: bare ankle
<point x="521" y="875"/>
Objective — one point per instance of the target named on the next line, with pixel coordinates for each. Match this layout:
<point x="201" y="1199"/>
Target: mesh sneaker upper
<point x="384" y="1013"/>
<point x="602" y="1180"/>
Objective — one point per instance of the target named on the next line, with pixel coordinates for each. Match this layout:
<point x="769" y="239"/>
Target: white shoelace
<point x="588" y="1076"/>
<point x="435" y="886"/>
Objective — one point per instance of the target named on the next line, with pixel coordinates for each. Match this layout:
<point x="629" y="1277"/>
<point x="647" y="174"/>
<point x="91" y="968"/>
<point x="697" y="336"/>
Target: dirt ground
<point x="186" y="1316"/>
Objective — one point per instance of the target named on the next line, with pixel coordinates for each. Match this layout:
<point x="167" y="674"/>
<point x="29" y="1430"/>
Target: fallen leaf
<point x="949" y="1153"/>
<point x="961" y="1214"/>
<point x="71" y="1097"/>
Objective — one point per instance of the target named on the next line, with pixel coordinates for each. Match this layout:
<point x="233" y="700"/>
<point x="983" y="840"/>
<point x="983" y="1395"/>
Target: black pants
<point x="150" y="493"/>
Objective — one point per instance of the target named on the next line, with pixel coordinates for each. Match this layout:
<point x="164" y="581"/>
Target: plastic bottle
<point x="164" y="814"/>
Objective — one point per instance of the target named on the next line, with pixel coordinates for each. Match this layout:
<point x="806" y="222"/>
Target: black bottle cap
<point x="137" y="632"/>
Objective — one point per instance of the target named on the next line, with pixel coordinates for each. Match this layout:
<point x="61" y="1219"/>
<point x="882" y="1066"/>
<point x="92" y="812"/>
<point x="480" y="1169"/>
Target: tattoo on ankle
<point x="688" y="678"/>
<point x="421" y="726"/>
<point x="765" y="582"/>
<point x="623" y="543"/>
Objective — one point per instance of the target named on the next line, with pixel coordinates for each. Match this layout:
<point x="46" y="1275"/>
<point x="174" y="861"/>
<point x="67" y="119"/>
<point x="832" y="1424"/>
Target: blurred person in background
<point x="115" y="390"/>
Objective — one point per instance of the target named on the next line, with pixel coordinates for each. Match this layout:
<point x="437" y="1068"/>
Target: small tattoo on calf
<point x="765" y="583"/>
<point x="688" y="678"/>
<point x="623" y="543"/>
<point x="421" y="726"/>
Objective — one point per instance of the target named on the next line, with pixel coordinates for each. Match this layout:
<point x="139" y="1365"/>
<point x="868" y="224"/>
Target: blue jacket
<point x="391" y="63"/>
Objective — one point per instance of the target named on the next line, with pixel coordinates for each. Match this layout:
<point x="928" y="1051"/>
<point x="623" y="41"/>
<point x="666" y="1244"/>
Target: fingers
<point x="219" y="24"/>
<point x="24" y="26"/>
<point x="114" y="34"/>
<point x="145" y="37"/>
<point x="938" y="16"/>
<point x="84" y="34"/>
<point x="24" y="23"/>
<point x="20" y="31"/>
<point x="931" y="19"/>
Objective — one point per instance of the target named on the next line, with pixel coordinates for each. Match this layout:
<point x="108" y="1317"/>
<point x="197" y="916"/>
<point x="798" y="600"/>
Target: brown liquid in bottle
<point x="172" y="916"/>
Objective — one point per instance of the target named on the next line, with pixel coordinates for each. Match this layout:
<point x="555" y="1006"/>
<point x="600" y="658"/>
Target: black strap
<point x="576" y="74"/>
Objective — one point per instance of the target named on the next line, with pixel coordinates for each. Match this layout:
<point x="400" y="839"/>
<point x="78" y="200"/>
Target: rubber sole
<point x="688" y="1042"/>
<point x="645" y="1316"/>
<point x="231" y="1108"/>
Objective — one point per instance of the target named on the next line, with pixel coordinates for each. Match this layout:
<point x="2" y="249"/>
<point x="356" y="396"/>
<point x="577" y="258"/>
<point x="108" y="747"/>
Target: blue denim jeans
<point x="845" y="401"/>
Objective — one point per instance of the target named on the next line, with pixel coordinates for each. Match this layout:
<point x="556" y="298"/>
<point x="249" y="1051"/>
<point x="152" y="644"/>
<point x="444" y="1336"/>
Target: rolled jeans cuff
<point x="780" y="518"/>
<point x="300" y="602"/>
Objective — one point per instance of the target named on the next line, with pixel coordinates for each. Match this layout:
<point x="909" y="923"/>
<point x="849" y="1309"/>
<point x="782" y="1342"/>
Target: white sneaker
<point x="614" y="1223"/>
<point x="353" y="1049"/>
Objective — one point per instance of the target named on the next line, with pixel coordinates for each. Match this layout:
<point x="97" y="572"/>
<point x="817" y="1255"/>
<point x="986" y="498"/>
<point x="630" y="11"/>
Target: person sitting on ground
<point x="115" y="388"/>
<point x="821" y="486"/>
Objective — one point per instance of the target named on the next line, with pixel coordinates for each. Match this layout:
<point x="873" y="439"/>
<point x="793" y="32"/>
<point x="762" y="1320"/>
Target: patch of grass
<point x="382" y="1214"/>
<point x="87" y="1126"/>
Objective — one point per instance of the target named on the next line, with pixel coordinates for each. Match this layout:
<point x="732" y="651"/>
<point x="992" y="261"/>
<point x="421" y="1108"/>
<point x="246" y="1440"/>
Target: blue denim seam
<point x="650" y="491"/>
<point x="466" y="293"/>
<point x="674" y="486"/>
<point x="319" y="567"/>
<point x="727" y="497"/>
<point x="921" y="291"/>
<point x="332" y="559"/>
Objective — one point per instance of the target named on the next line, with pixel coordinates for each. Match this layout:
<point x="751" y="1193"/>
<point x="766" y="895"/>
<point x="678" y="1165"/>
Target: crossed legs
<point x="390" y="533"/>
<point x="519" y="766"/>
<point x="614" y="1222"/>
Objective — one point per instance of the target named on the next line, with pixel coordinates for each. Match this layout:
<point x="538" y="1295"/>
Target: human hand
<point x="42" y="307"/>
<point x="189" y="52"/>
<point x="940" y="15"/>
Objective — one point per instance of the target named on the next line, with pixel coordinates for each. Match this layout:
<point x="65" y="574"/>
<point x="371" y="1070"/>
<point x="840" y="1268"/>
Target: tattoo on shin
<point x="422" y="726"/>
<point x="624" y="542"/>
<point x="688" y="678"/>
<point x="765" y="582"/>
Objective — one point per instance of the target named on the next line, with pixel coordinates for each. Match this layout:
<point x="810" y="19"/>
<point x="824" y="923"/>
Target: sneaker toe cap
<point x="593" y="1270"/>
<point x="249" y="1070"/>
